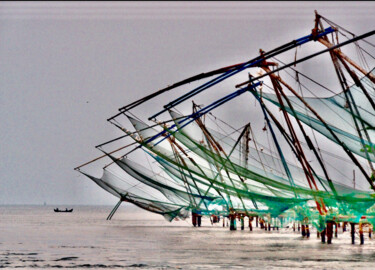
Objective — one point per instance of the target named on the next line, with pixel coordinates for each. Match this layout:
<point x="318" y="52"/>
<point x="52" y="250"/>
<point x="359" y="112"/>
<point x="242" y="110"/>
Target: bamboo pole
<point x="91" y="161"/>
<point x="350" y="61"/>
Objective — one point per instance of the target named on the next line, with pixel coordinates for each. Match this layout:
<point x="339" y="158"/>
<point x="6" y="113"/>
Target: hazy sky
<point x="65" y="67"/>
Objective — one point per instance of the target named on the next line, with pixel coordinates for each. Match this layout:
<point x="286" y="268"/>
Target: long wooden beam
<point x="308" y="57"/>
<point x="347" y="59"/>
<point x="91" y="161"/>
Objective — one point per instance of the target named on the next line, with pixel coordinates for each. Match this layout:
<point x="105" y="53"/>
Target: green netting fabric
<point x="208" y="172"/>
<point x="133" y="193"/>
<point x="264" y="192"/>
<point x="336" y="113"/>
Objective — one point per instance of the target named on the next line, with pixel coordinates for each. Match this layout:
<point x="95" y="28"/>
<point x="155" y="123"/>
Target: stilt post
<point x="336" y="229"/>
<point x="323" y="235"/>
<point x="250" y="223"/>
<point x="329" y="232"/>
<point x="199" y="220"/>
<point x="194" y="219"/>
<point x="114" y="210"/>
<point x="352" y="232"/>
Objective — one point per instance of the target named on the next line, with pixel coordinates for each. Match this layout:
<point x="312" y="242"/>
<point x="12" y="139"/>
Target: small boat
<point x="64" y="211"/>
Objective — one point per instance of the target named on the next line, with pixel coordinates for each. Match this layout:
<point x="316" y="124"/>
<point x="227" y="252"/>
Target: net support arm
<point x="203" y="111"/>
<point x="309" y="57"/>
<point x="254" y="62"/>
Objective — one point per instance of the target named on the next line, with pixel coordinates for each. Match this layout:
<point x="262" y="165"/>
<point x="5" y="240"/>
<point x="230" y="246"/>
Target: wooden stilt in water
<point x="344" y="226"/>
<point x="323" y="235"/>
<point x="370" y="231"/>
<point x="215" y="219"/>
<point x="261" y="222"/>
<point x="361" y="236"/>
<point x="114" y="210"/>
<point x="329" y="232"/>
<point x="336" y="229"/>
<point x="232" y="220"/>
<point x="305" y="228"/>
<point x="278" y="222"/>
<point x="352" y="232"/>
<point x="250" y="223"/>
<point x="194" y="219"/>
<point x="199" y="220"/>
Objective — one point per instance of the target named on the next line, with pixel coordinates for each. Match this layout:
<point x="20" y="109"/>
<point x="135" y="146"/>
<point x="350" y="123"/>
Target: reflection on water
<point x="36" y="237"/>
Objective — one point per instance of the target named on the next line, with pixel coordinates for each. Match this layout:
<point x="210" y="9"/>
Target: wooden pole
<point x="352" y="232"/>
<point x="307" y="231"/>
<point x="199" y="221"/>
<point x="346" y="58"/>
<point x="114" y="210"/>
<point x="336" y="229"/>
<point x="87" y="163"/>
<point x="329" y="232"/>
<point x="323" y="235"/>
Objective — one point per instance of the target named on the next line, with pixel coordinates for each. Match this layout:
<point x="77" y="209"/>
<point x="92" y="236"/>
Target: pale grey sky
<point x="65" y="67"/>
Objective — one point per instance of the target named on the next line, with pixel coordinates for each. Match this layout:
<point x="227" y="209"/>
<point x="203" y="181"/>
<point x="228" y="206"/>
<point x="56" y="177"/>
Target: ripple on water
<point x="66" y="259"/>
<point x="86" y="265"/>
<point x="137" y="265"/>
<point x="19" y="254"/>
<point x="77" y="247"/>
<point x="120" y="244"/>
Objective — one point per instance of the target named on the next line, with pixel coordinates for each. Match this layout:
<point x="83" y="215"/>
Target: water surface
<point x="36" y="237"/>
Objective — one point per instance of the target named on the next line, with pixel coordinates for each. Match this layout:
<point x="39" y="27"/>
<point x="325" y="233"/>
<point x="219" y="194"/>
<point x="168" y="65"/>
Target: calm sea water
<point x="36" y="237"/>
